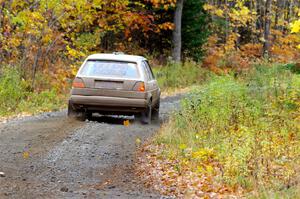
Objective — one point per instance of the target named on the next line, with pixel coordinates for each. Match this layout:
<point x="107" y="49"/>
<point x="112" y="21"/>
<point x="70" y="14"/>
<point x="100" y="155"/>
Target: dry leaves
<point x="165" y="176"/>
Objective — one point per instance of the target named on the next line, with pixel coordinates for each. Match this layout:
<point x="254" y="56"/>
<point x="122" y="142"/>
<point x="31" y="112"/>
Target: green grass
<point x="248" y="124"/>
<point x="174" y="76"/>
<point x="17" y="97"/>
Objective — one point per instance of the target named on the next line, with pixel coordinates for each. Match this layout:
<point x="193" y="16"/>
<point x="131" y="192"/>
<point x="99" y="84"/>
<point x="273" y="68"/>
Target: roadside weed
<point x="175" y="75"/>
<point x="242" y="130"/>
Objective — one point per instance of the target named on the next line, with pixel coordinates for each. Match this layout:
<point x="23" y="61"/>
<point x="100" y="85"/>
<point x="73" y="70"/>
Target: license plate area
<point x="109" y="84"/>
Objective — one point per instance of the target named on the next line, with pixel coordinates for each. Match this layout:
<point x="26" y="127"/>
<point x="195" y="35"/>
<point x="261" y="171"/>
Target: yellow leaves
<point x="239" y="15"/>
<point x="74" y="53"/>
<point x="47" y="38"/>
<point x="214" y="10"/>
<point x="208" y="7"/>
<point x="203" y="154"/>
<point x="206" y="169"/>
<point x="74" y="69"/>
<point x="26" y="155"/>
<point x="182" y="146"/>
<point x="15" y="42"/>
<point x="244" y="11"/>
<point x="230" y="43"/>
<point x="295" y="26"/>
<point x="138" y="141"/>
<point x="166" y="26"/>
<point x="219" y="13"/>
<point x="165" y="3"/>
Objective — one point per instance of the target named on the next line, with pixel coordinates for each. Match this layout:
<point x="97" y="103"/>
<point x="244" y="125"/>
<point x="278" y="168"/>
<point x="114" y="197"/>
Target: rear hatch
<point x="109" y="78"/>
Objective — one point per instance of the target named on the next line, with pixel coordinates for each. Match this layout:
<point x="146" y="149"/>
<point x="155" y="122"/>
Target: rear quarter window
<point x="103" y="68"/>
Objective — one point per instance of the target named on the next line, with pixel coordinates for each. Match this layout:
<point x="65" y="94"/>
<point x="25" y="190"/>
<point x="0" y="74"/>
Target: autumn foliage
<point x="239" y="31"/>
<point x="52" y="37"/>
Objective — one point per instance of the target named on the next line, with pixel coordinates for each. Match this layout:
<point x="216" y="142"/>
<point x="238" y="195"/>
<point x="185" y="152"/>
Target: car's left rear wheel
<point x="79" y="115"/>
<point x="72" y="113"/>
<point x="155" y="112"/>
<point x="84" y="115"/>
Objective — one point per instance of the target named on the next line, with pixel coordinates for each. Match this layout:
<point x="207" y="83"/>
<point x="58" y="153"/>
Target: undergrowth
<point x="242" y="130"/>
<point x="17" y="97"/>
<point x="172" y="75"/>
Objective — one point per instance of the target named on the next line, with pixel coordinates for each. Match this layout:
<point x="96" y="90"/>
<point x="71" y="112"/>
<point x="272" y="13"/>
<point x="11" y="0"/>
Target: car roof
<point x="117" y="57"/>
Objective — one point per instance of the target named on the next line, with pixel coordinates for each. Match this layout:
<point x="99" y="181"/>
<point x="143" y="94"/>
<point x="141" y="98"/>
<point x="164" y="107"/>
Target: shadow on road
<point x="116" y="120"/>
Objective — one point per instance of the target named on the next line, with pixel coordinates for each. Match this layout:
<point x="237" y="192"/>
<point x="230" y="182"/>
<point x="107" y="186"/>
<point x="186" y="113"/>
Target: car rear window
<point x="110" y="69"/>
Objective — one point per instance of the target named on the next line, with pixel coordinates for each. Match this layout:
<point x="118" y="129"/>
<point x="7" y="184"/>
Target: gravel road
<point x="51" y="156"/>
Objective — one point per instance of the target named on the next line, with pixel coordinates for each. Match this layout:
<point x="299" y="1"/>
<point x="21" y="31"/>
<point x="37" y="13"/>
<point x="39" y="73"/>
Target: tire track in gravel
<point x="72" y="159"/>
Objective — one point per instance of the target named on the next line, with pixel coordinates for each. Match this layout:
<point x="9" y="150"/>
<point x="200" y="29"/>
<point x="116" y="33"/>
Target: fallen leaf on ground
<point x="26" y="155"/>
<point x="126" y="123"/>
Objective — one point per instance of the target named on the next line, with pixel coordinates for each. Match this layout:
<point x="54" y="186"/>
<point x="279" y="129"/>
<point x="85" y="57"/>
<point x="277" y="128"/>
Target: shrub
<point x="16" y="97"/>
<point x="12" y="90"/>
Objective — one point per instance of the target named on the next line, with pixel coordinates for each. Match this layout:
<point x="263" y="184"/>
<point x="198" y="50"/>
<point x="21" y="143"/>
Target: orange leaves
<point x="222" y="60"/>
<point x="251" y="50"/>
<point x="126" y="123"/>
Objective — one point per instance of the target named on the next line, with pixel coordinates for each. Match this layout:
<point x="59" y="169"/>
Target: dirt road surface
<point x="51" y="156"/>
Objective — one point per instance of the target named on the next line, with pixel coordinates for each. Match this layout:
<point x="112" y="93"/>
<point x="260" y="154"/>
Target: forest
<point x="241" y="58"/>
<point x="52" y="37"/>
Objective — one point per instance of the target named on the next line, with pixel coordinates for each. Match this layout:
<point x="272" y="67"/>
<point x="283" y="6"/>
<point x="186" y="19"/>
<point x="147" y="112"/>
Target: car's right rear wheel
<point x="155" y="112"/>
<point x="147" y="115"/>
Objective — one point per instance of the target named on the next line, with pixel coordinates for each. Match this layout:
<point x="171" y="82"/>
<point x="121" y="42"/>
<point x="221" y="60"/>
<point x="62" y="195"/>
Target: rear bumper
<point x="104" y="103"/>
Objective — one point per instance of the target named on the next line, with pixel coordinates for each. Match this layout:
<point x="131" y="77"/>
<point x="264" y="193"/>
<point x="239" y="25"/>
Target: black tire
<point x="84" y="115"/>
<point x="88" y="115"/>
<point x="72" y="113"/>
<point x="155" y="112"/>
<point x="147" y="115"/>
<point x="79" y="115"/>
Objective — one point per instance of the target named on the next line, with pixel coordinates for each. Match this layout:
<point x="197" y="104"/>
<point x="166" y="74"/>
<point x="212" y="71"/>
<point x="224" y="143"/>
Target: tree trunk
<point x="176" y="51"/>
<point x="35" y="65"/>
<point x="227" y="21"/>
<point x="260" y="18"/>
<point x="267" y="27"/>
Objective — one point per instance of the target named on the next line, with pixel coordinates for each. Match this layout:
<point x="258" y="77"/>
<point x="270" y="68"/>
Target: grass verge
<point x="172" y="77"/>
<point x="16" y="97"/>
<point x="233" y="135"/>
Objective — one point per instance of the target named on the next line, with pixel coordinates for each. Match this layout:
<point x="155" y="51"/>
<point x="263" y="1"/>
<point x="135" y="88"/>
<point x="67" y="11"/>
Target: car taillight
<point x="142" y="87"/>
<point x="78" y="83"/>
<point x="139" y="86"/>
